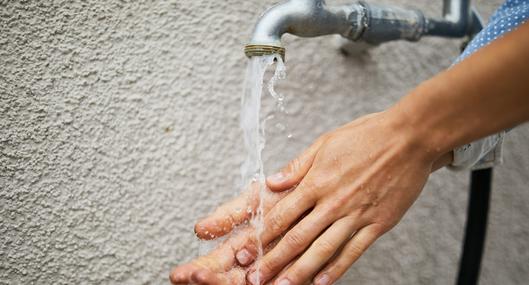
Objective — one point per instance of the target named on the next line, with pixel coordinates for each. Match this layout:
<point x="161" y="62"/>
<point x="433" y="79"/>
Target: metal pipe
<point x="455" y="22"/>
<point x="312" y="18"/>
<point x="385" y="23"/>
<point x="359" y="21"/>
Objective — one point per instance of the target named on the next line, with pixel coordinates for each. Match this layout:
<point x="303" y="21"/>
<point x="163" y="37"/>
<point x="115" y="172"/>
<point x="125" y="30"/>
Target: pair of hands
<point x="351" y="186"/>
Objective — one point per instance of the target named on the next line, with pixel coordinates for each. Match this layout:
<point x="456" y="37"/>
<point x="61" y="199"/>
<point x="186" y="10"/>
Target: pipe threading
<point x="257" y="50"/>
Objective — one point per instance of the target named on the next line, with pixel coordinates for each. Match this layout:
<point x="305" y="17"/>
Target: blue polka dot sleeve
<point x="487" y="152"/>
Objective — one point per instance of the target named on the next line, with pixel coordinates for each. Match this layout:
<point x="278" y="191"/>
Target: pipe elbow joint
<point x="303" y="18"/>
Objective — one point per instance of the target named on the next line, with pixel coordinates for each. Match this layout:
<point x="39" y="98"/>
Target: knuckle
<point x="277" y="223"/>
<point x="269" y="265"/>
<point x="383" y="220"/>
<point x="296" y="274"/>
<point x="380" y="229"/>
<point x="311" y="185"/>
<point x="335" y="205"/>
<point x="337" y="270"/>
<point x="295" y="240"/>
<point x="325" y="248"/>
<point x="331" y="211"/>
<point x="307" y="195"/>
<point x="355" y="251"/>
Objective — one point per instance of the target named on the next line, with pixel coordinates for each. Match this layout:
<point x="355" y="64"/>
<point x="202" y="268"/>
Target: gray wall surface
<point x="119" y="129"/>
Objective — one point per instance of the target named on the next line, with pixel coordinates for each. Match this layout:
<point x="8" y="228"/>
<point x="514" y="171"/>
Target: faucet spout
<point x="304" y="18"/>
<point x="312" y="18"/>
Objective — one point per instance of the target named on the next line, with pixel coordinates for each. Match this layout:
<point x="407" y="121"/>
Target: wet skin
<point x="221" y="266"/>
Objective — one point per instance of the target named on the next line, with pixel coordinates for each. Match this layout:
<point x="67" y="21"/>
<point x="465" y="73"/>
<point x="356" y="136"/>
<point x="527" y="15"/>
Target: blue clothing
<point x="509" y="15"/>
<point x="487" y="151"/>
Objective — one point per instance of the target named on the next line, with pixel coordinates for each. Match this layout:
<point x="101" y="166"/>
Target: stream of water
<point x="253" y="126"/>
<point x="253" y="121"/>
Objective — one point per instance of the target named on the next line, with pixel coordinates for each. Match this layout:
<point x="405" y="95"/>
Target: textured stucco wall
<point x="119" y="128"/>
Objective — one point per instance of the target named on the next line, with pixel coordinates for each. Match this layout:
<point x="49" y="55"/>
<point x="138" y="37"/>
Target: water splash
<point x="252" y="170"/>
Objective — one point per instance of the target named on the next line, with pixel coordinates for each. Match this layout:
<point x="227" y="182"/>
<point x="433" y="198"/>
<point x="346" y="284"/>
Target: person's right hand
<point x="241" y="209"/>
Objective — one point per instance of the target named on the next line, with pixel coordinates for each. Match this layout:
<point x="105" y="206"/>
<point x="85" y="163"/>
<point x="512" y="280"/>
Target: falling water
<point x="252" y="170"/>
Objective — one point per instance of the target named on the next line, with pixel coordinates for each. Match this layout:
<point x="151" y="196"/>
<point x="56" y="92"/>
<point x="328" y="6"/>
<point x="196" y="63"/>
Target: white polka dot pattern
<point x="509" y="16"/>
<point x="487" y="152"/>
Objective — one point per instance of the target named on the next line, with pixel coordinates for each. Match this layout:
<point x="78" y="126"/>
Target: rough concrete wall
<point x="119" y="128"/>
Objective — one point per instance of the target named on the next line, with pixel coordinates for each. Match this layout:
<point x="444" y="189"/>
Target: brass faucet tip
<point x="258" y="50"/>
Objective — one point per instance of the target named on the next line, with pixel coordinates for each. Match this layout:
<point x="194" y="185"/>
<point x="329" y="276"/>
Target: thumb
<point x="296" y="169"/>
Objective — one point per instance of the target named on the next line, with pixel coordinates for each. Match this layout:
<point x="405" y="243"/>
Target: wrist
<point x="416" y="126"/>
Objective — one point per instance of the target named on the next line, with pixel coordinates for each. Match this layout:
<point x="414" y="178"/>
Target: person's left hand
<point x="355" y="186"/>
<point x="221" y="266"/>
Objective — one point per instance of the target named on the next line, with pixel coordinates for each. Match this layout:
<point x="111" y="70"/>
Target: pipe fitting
<point x="360" y="21"/>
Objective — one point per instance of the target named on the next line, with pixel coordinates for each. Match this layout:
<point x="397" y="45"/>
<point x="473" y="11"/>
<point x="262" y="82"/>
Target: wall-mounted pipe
<point x="456" y="20"/>
<point x="359" y="21"/>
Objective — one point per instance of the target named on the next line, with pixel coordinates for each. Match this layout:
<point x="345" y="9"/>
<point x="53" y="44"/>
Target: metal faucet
<point x="359" y="22"/>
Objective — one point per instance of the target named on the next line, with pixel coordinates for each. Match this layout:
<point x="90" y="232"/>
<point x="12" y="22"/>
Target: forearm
<point x="486" y="93"/>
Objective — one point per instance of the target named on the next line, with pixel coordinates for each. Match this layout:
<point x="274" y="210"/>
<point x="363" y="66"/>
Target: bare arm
<point x="486" y="93"/>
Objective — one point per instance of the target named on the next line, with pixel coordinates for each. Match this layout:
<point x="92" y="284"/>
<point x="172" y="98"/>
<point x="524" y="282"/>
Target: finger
<point x="286" y="212"/>
<point x="247" y="254"/>
<point x="182" y="274"/>
<point x="229" y="215"/>
<point x="206" y="277"/>
<point x="295" y="170"/>
<point x="219" y="264"/>
<point x="352" y="250"/>
<point x="235" y="276"/>
<point x="219" y="260"/>
<point x="273" y="280"/>
<point x="291" y="245"/>
<point x="280" y="217"/>
<point x="321" y="250"/>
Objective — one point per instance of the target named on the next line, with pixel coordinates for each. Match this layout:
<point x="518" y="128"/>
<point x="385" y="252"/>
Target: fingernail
<point x="323" y="280"/>
<point x="277" y="178"/>
<point x="284" y="281"/>
<point x="243" y="256"/>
